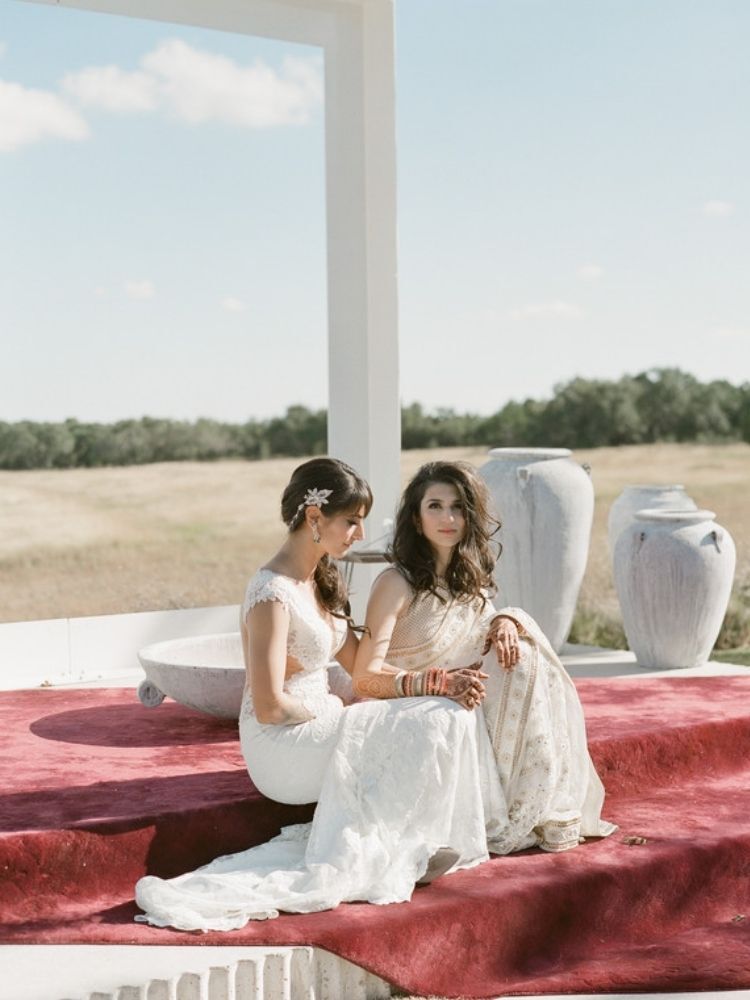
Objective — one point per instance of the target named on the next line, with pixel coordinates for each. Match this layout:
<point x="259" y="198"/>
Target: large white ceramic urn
<point x="640" y="497"/>
<point x="545" y="502"/>
<point x="673" y="574"/>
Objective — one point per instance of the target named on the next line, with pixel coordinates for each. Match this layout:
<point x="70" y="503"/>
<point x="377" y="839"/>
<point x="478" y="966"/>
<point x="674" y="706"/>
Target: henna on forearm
<point x="376" y="686"/>
<point x="463" y="685"/>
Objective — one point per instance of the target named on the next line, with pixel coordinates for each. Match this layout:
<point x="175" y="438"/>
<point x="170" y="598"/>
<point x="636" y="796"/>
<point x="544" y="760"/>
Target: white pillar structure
<point x="356" y="37"/>
<point x="364" y="409"/>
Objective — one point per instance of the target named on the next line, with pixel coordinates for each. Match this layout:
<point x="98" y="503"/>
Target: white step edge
<point x="143" y="972"/>
<point x="136" y="972"/>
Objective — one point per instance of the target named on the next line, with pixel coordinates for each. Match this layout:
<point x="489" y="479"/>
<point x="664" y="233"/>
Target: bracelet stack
<point x="413" y="684"/>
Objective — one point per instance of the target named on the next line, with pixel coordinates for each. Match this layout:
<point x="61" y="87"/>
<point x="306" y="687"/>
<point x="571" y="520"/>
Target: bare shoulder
<point x="390" y="588"/>
<point x="268" y="613"/>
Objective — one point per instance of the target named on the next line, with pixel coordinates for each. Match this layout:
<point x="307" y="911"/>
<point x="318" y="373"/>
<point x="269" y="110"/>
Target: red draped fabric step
<point x="99" y="790"/>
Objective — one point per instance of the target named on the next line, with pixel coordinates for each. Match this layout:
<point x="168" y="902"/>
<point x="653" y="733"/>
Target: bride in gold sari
<point x="431" y="612"/>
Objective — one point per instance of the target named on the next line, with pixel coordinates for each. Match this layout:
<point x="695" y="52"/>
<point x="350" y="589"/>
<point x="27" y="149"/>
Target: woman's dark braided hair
<point x="470" y="571"/>
<point x="349" y="494"/>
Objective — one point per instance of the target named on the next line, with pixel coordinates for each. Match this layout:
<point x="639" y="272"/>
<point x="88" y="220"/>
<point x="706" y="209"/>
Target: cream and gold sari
<point x="534" y="720"/>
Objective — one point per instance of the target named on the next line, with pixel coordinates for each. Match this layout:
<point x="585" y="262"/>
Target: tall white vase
<point x="545" y="502"/>
<point x="635" y="498"/>
<point x="673" y="574"/>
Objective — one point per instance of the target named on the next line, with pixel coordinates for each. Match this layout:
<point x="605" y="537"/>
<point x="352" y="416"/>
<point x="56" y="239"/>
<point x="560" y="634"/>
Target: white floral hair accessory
<point x="315" y="498"/>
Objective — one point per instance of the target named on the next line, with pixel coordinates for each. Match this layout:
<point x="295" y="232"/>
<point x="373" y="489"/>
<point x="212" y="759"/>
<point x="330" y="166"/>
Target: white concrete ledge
<point x="103" y="649"/>
<point x="596" y="661"/>
<point x="81" y="650"/>
<point x="132" y="972"/>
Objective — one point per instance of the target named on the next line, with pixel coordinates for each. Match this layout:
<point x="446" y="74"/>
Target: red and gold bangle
<point x="436" y="681"/>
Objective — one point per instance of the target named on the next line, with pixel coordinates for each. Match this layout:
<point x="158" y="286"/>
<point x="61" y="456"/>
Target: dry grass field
<point x="188" y="534"/>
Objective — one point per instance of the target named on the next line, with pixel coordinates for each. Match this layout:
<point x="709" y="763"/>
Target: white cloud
<point x="140" y="290"/>
<point x="732" y="332"/>
<point x="232" y="304"/>
<point x="197" y="86"/>
<point x="28" y="116"/>
<point x="547" y="310"/>
<point x="100" y="292"/>
<point x="201" y="86"/>
<point x="112" y="89"/>
<point x="718" y="209"/>
<point x="590" y="272"/>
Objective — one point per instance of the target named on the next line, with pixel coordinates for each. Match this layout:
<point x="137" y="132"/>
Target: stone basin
<point x="207" y="672"/>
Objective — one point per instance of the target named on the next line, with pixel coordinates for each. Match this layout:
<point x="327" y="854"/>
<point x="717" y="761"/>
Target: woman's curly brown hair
<point x="470" y="571"/>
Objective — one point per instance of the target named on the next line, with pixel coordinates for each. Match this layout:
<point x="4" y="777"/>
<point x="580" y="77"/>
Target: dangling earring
<point x="315" y="532"/>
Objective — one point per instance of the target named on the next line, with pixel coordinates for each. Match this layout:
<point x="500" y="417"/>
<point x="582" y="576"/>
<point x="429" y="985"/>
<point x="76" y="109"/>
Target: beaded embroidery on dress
<point x="534" y="719"/>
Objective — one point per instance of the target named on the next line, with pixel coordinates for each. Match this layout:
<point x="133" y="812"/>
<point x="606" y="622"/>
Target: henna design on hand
<point x="465" y="687"/>
<point x="504" y="635"/>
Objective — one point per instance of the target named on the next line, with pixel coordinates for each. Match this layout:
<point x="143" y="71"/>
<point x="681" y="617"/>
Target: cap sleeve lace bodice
<point x="312" y="640"/>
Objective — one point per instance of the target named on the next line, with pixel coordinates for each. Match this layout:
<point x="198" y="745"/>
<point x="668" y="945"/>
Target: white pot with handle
<point x="640" y="497"/>
<point x="545" y="502"/>
<point x="673" y="573"/>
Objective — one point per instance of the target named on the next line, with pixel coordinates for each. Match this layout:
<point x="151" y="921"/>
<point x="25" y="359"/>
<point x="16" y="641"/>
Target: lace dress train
<point x="397" y="780"/>
<point x="404" y="779"/>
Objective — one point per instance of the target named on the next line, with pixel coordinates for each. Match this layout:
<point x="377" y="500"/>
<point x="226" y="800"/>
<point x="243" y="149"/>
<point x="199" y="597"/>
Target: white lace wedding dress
<point x="395" y="780"/>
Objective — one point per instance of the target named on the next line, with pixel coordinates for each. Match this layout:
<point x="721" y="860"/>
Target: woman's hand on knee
<point x="504" y="637"/>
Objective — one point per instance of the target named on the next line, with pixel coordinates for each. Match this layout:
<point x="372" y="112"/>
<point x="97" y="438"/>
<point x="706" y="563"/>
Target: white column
<point x="364" y="406"/>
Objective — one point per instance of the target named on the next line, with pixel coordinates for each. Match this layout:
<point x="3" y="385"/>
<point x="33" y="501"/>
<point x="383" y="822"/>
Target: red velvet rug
<point x="99" y="791"/>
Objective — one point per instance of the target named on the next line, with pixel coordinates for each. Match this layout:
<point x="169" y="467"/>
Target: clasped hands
<point x="465" y="685"/>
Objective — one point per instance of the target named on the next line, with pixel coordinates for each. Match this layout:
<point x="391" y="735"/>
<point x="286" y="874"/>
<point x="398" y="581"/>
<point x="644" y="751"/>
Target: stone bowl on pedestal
<point x="207" y="673"/>
<point x="204" y="672"/>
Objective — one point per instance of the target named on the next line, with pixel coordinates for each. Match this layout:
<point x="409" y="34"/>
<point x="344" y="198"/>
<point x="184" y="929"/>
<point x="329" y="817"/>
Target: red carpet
<point x="99" y="791"/>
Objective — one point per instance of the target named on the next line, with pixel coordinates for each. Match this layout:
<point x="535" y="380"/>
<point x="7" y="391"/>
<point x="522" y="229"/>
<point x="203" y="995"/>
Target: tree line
<point x="663" y="404"/>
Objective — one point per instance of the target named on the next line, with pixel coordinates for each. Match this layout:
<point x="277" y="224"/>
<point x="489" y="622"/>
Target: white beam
<point x="306" y="22"/>
<point x="364" y="405"/>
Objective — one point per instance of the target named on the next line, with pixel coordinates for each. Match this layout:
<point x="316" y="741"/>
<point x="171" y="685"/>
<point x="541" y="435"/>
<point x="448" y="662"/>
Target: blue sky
<point x="574" y="199"/>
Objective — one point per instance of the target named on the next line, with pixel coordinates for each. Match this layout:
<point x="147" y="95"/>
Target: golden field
<point x="188" y="534"/>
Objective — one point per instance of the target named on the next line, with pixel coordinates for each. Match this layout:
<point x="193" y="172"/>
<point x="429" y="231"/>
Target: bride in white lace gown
<point x="399" y="778"/>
